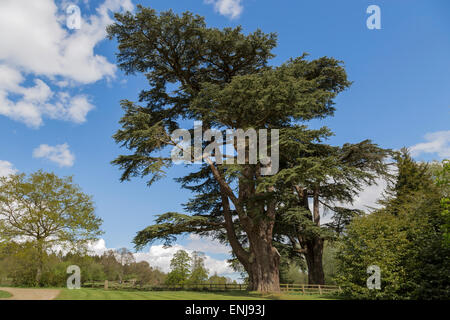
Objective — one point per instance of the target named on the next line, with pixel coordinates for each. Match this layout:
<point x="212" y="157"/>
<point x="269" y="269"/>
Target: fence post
<point x="320" y="289"/>
<point x="106" y="284"/>
<point x="303" y="288"/>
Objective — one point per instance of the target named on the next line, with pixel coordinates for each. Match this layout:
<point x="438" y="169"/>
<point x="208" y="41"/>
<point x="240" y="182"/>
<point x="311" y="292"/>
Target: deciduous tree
<point x="47" y="211"/>
<point x="180" y="266"/>
<point x="199" y="273"/>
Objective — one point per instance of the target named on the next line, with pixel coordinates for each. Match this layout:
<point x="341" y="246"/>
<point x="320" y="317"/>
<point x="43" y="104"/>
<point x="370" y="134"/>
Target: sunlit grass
<point x="100" y="294"/>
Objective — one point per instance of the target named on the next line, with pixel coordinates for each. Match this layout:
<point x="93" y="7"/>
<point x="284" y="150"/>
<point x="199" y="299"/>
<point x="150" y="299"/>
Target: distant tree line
<point x="18" y="267"/>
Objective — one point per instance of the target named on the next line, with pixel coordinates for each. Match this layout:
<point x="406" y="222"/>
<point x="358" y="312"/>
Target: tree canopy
<point x="47" y="211"/>
<point x="222" y="78"/>
<point x="180" y="268"/>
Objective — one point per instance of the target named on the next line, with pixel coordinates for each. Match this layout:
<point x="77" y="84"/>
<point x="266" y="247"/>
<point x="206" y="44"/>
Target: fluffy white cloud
<point x="38" y="48"/>
<point x="436" y="142"/>
<point x="229" y="8"/>
<point x="38" y="101"/>
<point x="197" y="243"/>
<point x="97" y="247"/>
<point x="59" y="154"/>
<point x="6" y="168"/>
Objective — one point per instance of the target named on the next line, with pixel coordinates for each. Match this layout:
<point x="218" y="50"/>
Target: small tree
<point x="143" y="272"/>
<point x="216" y="279"/>
<point x="199" y="274"/>
<point x="110" y="265"/>
<point x="125" y="259"/>
<point x="46" y="211"/>
<point x="179" y="265"/>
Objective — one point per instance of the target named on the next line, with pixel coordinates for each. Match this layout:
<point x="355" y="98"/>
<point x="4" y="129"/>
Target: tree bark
<point x="264" y="266"/>
<point x="261" y="260"/>
<point x="313" y="257"/>
<point x="312" y="246"/>
<point x="262" y="263"/>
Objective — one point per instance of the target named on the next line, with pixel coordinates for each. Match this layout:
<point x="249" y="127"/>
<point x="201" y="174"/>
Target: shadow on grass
<point x="276" y="295"/>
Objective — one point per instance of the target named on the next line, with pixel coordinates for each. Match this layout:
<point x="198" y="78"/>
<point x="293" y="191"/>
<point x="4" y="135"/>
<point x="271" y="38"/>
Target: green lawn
<point x="100" y="294"/>
<point x="4" y="294"/>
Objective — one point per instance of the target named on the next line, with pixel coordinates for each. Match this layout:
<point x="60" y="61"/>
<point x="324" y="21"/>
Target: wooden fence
<point x="290" y="288"/>
<point x="310" y="288"/>
<point x="114" y="285"/>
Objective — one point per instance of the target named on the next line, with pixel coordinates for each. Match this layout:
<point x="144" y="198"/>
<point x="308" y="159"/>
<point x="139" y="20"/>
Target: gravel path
<point x="31" y="294"/>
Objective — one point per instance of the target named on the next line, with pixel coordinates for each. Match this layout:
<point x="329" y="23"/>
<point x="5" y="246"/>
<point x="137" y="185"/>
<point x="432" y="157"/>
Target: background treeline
<point x="18" y="267"/>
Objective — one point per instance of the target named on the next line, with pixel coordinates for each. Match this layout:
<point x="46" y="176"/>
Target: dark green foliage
<point x="170" y="224"/>
<point x="326" y="175"/>
<point x="443" y="180"/>
<point x="404" y="239"/>
<point x="181" y="50"/>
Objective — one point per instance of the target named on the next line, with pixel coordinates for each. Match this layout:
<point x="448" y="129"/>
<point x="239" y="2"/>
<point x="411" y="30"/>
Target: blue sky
<point x="58" y="110"/>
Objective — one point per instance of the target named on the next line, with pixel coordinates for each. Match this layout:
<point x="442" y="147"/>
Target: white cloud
<point x="37" y="48"/>
<point x="228" y="8"/>
<point x="59" y="154"/>
<point x="370" y="195"/>
<point x="197" y="243"/>
<point x="366" y="200"/>
<point x="97" y="247"/>
<point x="437" y="142"/>
<point x="38" y="101"/>
<point x="6" y="168"/>
<point x="78" y="108"/>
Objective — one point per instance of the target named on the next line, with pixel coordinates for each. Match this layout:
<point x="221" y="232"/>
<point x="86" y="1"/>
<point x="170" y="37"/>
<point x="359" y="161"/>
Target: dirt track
<point x="31" y="294"/>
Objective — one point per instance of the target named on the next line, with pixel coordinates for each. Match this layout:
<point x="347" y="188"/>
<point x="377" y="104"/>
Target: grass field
<point x="100" y="294"/>
<point x="4" y="294"/>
